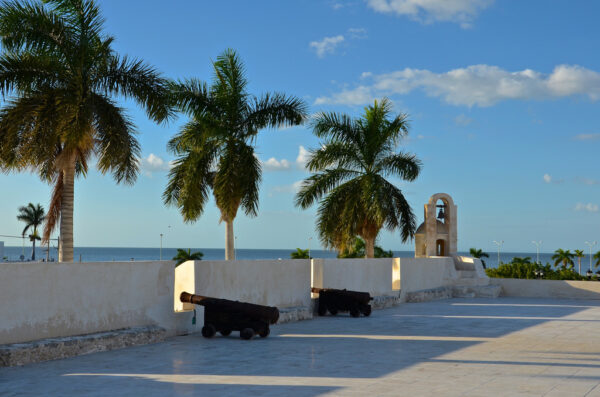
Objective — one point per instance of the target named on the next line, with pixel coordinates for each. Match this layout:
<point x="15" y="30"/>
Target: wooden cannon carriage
<point x="224" y="316"/>
<point x="342" y="300"/>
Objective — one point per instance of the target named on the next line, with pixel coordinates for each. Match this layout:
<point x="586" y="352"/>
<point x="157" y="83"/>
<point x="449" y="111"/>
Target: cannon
<point x="342" y="300"/>
<point x="225" y="316"/>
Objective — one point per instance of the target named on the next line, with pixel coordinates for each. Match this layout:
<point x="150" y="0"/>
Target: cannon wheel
<point x="225" y="332"/>
<point x="366" y="310"/>
<point x="354" y="312"/>
<point x="322" y="310"/>
<point x="264" y="332"/>
<point x="208" y="331"/>
<point x="333" y="310"/>
<point x="247" y="333"/>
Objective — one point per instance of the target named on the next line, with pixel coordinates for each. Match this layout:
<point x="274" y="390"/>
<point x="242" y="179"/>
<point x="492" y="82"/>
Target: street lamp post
<point x="161" y="236"/>
<point x="591" y="245"/>
<point x="499" y="244"/>
<point x="537" y="245"/>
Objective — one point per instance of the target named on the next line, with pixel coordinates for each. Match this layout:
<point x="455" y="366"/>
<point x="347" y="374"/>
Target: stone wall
<point x="376" y="276"/>
<point x="556" y="289"/>
<point x="47" y="300"/>
<point x="281" y="283"/>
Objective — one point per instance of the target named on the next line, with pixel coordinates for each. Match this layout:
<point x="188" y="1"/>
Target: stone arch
<point x="430" y="233"/>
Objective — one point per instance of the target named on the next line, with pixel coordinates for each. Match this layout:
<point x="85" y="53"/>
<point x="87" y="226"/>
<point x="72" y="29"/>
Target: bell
<point x="441" y="214"/>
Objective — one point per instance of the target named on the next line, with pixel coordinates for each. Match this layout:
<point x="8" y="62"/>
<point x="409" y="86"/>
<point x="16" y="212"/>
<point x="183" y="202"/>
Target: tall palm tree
<point x="351" y="167"/>
<point x="33" y="216"/>
<point x="184" y="256"/>
<point x="61" y="74"/>
<point x="479" y="254"/>
<point x="564" y="257"/>
<point x="215" y="148"/>
<point x="579" y="254"/>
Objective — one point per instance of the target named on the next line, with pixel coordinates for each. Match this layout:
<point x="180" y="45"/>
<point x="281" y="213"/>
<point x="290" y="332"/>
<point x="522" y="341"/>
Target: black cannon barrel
<point x="362" y="297"/>
<point x="266" y="313"/>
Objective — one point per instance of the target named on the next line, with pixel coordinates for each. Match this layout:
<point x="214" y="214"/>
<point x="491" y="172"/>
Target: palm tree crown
<point x="564" y="257"/>
<point x="33" y="216"/>
<point x="184" y="256"/>
<point x="300" y="254"/>
<point x="215" y="148"/>
<point x="479" y="254"/>
<point x="61" y="74"/>
<point x="349" y="179"/>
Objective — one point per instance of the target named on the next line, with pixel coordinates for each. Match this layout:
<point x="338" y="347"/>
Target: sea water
<point x="119" y="254"/>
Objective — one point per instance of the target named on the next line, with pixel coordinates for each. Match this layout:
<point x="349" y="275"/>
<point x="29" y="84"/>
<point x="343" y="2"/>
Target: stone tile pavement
<point x="455" y="347"/>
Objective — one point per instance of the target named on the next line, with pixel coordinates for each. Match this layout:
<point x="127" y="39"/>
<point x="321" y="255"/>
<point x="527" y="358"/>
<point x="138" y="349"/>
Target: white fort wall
<point x="280" y="283"/>
<point x="44" y="300"/>
<point x="376" y="276"/>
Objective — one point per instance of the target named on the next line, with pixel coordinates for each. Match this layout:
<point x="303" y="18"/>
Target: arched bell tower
<point x="437" y="236"/>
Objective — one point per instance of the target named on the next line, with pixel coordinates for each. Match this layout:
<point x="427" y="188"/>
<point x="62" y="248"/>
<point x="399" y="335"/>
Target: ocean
<point x="118" y="254"/>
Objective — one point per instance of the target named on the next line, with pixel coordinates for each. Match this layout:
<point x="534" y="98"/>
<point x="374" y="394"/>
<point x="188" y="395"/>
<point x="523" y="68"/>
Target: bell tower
<point x="437" y="236"/>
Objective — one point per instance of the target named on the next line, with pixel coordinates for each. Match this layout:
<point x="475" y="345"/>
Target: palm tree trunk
<point x="369" y="247"/>
<point x="33" y="250"/>
<point x="229" y="241"/>
<point x="65" y="252"/>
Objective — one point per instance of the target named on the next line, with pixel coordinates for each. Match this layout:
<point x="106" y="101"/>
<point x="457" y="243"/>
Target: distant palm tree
<point x="579" y="254"/>
<point x="351" y="167"/>
<point x="596" y="258"/>
<point x="215" y="149"/>
<point x="357" y="250"/>
<point x="564" y="257"/>
<point x="479" y="254"/>
<point x="521" y="261"/>
<point x="300" y="254"/>
<point x="60" y="75"/>
<point x="33" y="216"/>
<point x="184" y="256"/>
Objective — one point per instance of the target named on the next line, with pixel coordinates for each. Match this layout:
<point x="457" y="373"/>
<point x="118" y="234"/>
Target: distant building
<point x="437" y="236"/>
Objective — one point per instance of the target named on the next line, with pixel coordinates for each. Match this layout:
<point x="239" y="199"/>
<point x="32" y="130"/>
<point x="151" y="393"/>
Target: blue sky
<point x="503" y="98"/>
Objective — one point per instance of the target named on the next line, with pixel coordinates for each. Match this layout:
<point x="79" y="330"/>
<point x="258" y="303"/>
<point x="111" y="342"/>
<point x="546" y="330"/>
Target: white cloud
<point x="480" y="85"/>
<point x="303" y="156"/>
<point x="357" y="33"/>
<point x="429" y="11"/>
<point x="587" y="137"/>
<point x="589" y="207"/>
<point x="293" y="188"/>
<point x="154" y="163"/>
<point x="327" y="45"/>
<point x="273" y="164"/>
<point x="463" y="120"/>
<point x="547" y="178"/>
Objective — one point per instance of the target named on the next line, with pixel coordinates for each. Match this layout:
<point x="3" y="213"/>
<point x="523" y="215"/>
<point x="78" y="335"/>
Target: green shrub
<point x="523" y="268"/>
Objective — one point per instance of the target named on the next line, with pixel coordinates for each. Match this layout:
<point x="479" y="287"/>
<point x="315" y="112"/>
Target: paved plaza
<point x="457" y="347"/>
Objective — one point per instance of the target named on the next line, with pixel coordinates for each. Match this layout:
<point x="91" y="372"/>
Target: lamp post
<point x="537" y="245"/>
<point x="591" y="245"/>
<point x="499" y="244"/>
<point x="161" y="236"/>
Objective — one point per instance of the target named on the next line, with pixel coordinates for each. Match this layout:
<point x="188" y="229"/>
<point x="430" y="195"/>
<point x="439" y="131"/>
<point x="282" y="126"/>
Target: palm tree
<point x="579" y="254"/>
<point x="350" y="183"/>
<point x="357" y="250"/>
<point x="596" y="258"/>
<point x="479" y="254"/>
<point x="300" y="254"/>
<point x="215" y="148"/>
<point x="184" y="256"/>
<point x="521" y="261"/>
<point x="61" y="74"/>
<point x="33" y="216"/>
<point x="564" y="257"/>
